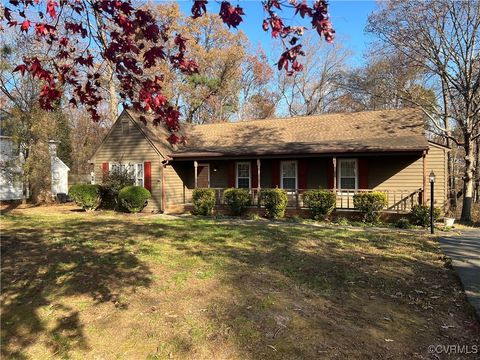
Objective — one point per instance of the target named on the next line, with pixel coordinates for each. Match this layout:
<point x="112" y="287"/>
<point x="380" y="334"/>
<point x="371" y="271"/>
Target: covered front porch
<point x="400" y="176"/>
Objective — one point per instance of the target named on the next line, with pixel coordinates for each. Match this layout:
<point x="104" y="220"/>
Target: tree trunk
<point x="476" y="190"/>
<point x="112" y="89"/>
<point x="468" y="181"/>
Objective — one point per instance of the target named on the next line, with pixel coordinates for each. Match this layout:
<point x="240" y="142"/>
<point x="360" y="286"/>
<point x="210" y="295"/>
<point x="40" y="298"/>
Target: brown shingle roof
<point x="369" y="131"/>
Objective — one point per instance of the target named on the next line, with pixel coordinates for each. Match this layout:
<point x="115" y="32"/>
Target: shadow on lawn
<point x="306" y="294"/>
<point x="41" y="265"/>
<point x="290" y="293"/>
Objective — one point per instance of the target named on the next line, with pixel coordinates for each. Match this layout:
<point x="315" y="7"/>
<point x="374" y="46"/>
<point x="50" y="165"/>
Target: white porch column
<point x="258" y="174"/>
<point x="195" y="165"/>
<point x="334" y="174"/>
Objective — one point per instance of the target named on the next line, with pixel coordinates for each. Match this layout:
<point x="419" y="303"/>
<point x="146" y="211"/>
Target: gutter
<point x="223" y="156"/>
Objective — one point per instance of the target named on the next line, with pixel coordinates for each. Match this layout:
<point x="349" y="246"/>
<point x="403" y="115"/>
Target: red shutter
<point x="275" y="173"/>
<point x="254" y="172"/>
<point x="105" y="169"/>
<point x="302" y="173"/>
<point x="363" y="173"/>
<point x="231" y="174"/>
<point x="147" y="181"/>
<point x="330" y="177"/>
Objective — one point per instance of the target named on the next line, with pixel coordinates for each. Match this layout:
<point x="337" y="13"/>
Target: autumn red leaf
<point x="51" y="5"/>
<point x="232" y="16"/>
<point x="133" y="32"/>
<point x="25" y="25"/>
<point x="199" y="8"/>
<point x="22" y="68"/>
<point x="151" y="56"/>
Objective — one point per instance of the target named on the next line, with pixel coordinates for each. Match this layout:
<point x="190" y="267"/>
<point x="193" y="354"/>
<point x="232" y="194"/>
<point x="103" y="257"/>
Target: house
<point x="11" y="185"/>
<point x="59" y="171"/>
<point x="348" y="152"/>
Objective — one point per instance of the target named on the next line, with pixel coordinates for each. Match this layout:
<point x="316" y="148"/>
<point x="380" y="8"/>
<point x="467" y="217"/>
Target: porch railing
<point x="397" y="200"/>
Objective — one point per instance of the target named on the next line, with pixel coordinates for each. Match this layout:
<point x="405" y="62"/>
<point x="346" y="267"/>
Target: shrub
<point x="403" y="223"/>
<point x="203" y="201"/>
<point x="370" y="204"/>
<point x="275" y="202"/>
<point x="87" y="196"/>
<point x="342" y="221"/>
<point x="112" y="183"/>
<point x="237" y="200"/>
<point x="420" y="215"/>
<point x="320" y="202"/>
<point x="254" y="216"/>
<point x="133" y="198"/>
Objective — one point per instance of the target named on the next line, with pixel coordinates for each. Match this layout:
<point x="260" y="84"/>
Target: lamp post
<point x="432" y="183"/>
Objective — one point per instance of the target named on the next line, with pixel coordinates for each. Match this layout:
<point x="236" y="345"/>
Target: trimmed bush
<point x="275" y="202"/>
<point x="320" y="202"/>
<point x="237" y="200"/>
<point x="203" y="201"/>
<point x="403" y="223"/>
<point x="370" y="204"/>
<point x="420" y="215"/>
<point x="112" y="183"/>
<point x="87" y="196"/>
<point x="133" y="198"/>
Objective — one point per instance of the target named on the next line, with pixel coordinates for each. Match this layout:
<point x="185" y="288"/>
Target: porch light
<point x="432" y="177"/>
<point x="215" y="168"/>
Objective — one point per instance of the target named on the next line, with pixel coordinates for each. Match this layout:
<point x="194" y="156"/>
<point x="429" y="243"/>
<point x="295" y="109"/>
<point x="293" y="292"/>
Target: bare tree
<point x="314" y="90"/>
<point x="384" y="82"/>
<point x="256" y="100"/>
<point x="442" y="39"/>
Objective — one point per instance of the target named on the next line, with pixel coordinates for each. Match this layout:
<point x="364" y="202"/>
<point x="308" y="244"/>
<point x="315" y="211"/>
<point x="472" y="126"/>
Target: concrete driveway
<point x="464" y="250"/>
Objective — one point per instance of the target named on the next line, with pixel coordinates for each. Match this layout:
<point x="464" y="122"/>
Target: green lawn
<point x="105" y="286"/>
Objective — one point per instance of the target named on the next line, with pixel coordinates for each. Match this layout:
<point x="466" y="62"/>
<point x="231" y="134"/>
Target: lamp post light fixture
<point x="432" y="192"/>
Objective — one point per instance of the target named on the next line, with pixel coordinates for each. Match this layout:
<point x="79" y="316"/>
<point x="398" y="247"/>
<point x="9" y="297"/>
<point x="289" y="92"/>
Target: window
<point x="139" y="175"/>
<point x="243" y="175"/>
<point x="134" y="169"/>
<point x="289" y="175"/>
<point x="347" y="174"/>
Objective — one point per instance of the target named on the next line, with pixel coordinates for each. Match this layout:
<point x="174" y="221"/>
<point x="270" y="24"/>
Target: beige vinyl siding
<point x="175" y="191"/>
<point x="437" y="161"/>
<point x="398" y="176"/>
<point x="404" y="174"/>
<point x="395" y="172"/>
<point x="132" y="147"/>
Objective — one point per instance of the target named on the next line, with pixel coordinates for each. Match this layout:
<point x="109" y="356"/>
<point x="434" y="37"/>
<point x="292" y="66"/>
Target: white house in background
<point x="11" y="170"/>
<point x="59" y="171"/>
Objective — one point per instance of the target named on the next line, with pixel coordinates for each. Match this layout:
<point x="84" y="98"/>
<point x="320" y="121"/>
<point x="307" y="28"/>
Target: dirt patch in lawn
<point x="96" y="285"/>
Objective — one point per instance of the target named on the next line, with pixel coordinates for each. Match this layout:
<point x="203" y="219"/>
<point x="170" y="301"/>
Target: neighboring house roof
<point x="59" y="161"/>
<point x="369" y="131"/>
<point x="400" y="130"/>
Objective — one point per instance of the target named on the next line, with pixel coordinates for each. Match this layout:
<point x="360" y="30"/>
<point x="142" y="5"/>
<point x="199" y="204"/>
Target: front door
<point x="203" y="176"/>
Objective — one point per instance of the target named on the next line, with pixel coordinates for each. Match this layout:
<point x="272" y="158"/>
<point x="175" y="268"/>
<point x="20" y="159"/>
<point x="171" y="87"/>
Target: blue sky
<point x="349" y="19"/>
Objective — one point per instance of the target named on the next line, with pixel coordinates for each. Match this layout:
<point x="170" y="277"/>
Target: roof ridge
<point x="290" y="118"/>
